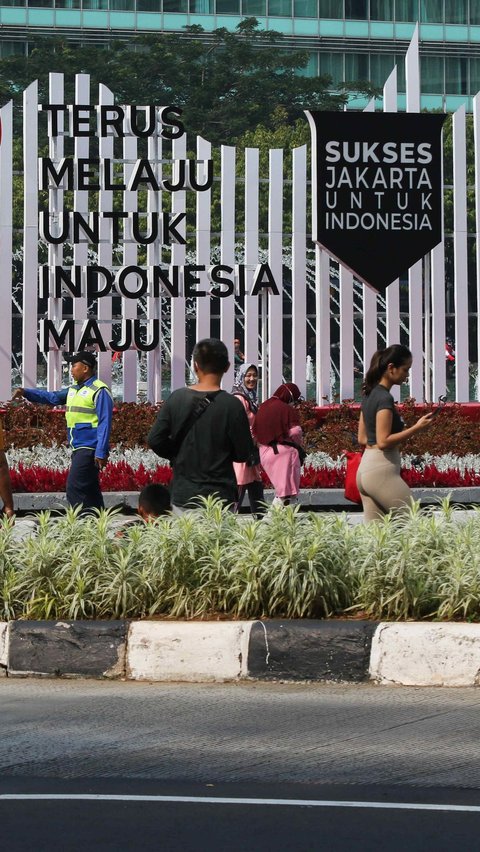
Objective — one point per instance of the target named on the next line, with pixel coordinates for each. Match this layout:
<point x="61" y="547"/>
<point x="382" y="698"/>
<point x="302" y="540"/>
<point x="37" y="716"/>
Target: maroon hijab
<point x="275" y="416"/>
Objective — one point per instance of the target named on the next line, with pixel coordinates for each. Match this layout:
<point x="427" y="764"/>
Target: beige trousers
<point x="381" y="487"/>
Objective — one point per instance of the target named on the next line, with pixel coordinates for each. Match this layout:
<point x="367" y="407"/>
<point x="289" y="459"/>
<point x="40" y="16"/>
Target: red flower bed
<point x="115" y="477"/>
<point x="122" y="477"/>
<point x="430" y="477"/>
<point x="37" y="479"/>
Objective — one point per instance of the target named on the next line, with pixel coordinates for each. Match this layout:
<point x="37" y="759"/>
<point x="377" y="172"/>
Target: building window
<point x="311" y="68"/>
<point x="331" y="65"/>
<point x="149" y="5"/>
<point x="280" y="8"/>
<point x="432" y="11"/>
<point x="432" y="74"/>
<point x="330" y="9"/>
<point x="122" y="5"/>
<point x="175" y="5"/>
<point x="400" y="63"/>
<point x="356" y="10"/>
<point x="356" y="66"/>
<point x="95" y="4"/>
<point x="474" y="76"/>
<point x="456" y="75"/>
<point x="455" y="12"/>
<point x="381" y="65"/>
<point x="40" y="4"/>
<point x="227" y="7"/>
<point x="381" y="10"/>
<point x="12" y="48"/>
<point x="305" y="8"/>
<point x="406" y="10"/>
<point x="67" y="4"/>
<point x="254" y="7"/>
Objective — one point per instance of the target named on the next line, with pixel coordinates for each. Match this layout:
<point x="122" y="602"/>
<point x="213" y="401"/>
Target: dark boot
<point x="256" y="498"/>
<point x="242" y="490"/>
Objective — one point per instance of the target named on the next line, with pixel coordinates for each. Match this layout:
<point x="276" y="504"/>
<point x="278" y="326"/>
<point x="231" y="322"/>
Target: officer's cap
<point x="87" y="358"/>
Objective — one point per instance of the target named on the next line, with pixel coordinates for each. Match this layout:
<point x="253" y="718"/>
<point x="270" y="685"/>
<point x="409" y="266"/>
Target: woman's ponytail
<point x="396" y="355"/>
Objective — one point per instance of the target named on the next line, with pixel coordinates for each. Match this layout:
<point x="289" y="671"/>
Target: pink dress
<point x="244" y="473"/>
<point x="283" y="468"/>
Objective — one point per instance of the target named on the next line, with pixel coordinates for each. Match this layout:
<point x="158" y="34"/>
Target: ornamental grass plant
<point x="213" y="564"/>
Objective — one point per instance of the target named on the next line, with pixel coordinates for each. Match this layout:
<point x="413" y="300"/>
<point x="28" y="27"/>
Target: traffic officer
<point x="88" y="411"/>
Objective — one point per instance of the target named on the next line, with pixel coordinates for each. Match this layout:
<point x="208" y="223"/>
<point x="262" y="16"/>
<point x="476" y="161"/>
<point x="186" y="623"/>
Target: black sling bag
<point x="200" y="407"/>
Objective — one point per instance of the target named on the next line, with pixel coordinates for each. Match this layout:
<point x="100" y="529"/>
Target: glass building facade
<point x="348" y="39"/>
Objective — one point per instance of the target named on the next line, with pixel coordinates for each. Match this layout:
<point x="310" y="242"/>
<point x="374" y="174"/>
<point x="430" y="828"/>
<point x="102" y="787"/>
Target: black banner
<point x="377" y="190"/>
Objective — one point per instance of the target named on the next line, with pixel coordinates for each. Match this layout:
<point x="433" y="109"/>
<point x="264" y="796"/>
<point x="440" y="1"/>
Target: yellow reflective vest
<point x="81" y="415"/>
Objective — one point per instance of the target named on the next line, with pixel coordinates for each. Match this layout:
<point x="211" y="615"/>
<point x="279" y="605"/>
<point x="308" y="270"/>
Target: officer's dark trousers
<point x="83" y="486"/>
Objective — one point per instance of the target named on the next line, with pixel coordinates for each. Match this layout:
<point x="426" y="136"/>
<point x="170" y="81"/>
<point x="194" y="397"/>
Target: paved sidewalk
<point x="315" y="498"/>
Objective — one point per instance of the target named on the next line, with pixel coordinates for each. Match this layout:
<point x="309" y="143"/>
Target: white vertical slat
<point x="346" y="334"/>
<point x="178" y="205"/>
<point x="204" y="237"/>
<point x="415" y="274"/>
<point x="252" y="176"/>
<point x="105" y="254"/>
<point x="56" y="207"/>
<point x="427" y="341"/>
<point x="6" y="238"/>
<point x="460" y="256"/>
<point x="370" y="318"/>
<point x="412" y="74"/>
<point x="30" y="235"/>
<point x="437" y="285"/>
<point x="129" y="306"/>
<point x="275" y="258"/>
<point x="80" y="202"/>
<point x="437" y="271"/>
<point x="299" y="268"/>
<point x="392" y="296"/>
<point x="322" y="312"/>
<point x="154" y="257"/>
<point x="227" y="252"/>
<point x="416" y="329"/>
<point x="476" y="136"/>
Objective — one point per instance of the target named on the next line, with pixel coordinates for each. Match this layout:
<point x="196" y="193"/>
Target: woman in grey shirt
<point x="381" y="430"/>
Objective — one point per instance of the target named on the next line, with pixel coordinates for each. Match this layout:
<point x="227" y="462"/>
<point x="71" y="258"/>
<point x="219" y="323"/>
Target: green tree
<point x="226" y="83"/>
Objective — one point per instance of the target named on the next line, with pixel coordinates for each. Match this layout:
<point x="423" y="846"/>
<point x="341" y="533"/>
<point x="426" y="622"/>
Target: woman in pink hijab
<point x="278" y="434"/>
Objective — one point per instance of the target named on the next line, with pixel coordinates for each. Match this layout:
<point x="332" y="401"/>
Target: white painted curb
<point x="187" y="651"/>
<point x="419" y="654"/>
<point x="3" y="646"/>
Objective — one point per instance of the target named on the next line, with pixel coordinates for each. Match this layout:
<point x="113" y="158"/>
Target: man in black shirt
<point x="202" y="430"/>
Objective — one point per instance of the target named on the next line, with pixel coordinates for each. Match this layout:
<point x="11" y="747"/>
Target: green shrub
<point x="211" y="564"/>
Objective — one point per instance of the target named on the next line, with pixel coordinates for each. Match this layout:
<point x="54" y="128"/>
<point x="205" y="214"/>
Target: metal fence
<point x="317" y="326"/>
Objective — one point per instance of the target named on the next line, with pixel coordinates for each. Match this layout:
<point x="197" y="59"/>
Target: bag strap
<point x="197" y="412"/>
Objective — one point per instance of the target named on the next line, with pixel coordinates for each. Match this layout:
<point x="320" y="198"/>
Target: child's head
<point x="153" y="501"/>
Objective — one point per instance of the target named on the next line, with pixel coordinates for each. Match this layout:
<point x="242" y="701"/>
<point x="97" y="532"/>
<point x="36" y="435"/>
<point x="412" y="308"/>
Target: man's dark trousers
<point x="83" y="484"/>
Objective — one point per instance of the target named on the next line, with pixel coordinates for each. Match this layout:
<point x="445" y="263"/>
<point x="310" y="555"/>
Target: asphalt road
<point x="88" y="765"/>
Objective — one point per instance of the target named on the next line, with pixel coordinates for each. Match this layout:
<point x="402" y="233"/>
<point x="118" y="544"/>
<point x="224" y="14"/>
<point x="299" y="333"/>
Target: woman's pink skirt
<point x="282" y="468"/>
